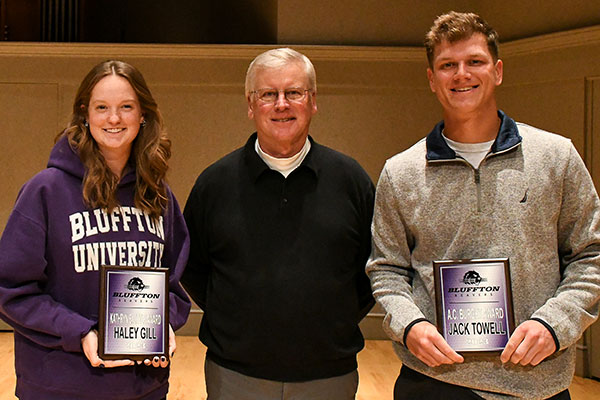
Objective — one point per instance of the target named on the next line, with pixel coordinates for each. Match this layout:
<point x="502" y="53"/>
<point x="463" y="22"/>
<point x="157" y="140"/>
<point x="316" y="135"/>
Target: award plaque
<point x="474" y="304"/>
<point x="134" y="313"/>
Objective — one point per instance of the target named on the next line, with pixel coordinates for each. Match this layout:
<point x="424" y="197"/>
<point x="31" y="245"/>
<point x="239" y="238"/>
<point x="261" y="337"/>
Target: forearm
<point x="46" y="322"/>
<point x="392" y="290"/>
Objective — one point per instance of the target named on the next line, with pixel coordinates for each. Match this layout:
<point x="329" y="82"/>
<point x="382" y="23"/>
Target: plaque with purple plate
<point x="474" y="304"/>
<point x="134" y="313"/>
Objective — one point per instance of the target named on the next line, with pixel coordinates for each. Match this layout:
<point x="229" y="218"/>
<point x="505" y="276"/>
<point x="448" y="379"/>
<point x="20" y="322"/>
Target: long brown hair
<point x="151" y="148"/>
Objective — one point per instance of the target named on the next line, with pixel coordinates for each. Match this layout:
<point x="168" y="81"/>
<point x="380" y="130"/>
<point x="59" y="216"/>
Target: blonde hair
<point x="455" y="26"/>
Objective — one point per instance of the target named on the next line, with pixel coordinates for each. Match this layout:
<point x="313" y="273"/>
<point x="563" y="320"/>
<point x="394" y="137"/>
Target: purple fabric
<point x="50" y="251"/>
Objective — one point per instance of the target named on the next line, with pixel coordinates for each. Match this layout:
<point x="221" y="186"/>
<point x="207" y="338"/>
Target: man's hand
<point x="425" y="342"/>
<point x="89" y="344"/>
<point x="530" y="344"/>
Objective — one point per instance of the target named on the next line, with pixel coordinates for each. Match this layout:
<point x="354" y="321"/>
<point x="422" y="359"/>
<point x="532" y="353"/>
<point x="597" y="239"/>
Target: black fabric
<point x="278" y="264"/>
<point x="412" y="385"/>
<point x="564" y="395"/>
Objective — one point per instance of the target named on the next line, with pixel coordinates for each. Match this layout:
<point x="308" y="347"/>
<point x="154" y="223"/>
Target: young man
<point x="280" y="234"/>
<point x="483" y="186"/>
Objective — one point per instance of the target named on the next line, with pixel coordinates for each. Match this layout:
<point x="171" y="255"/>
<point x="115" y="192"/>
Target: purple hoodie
<point x="49" y="281"/>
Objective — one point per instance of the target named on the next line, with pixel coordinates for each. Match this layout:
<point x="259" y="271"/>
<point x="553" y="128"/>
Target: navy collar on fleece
<point x="438" y="149"/>
<point x="256" y="165"/>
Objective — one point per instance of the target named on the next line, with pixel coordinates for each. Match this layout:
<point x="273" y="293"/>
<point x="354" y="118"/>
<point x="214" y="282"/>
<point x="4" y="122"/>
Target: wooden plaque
<point x="134" y="313"/>
<point x="474" y="304"/>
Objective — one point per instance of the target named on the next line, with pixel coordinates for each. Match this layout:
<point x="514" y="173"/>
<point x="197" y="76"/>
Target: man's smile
<point x="465" y="89"/>
<point x="283" y="119"/>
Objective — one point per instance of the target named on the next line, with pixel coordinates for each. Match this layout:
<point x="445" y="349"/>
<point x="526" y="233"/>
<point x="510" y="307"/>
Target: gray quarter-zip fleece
<point x="531" y="200"/>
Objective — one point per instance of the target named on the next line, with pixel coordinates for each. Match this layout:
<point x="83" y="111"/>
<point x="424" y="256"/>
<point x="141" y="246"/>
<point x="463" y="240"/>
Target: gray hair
<point x="279" y="58"/>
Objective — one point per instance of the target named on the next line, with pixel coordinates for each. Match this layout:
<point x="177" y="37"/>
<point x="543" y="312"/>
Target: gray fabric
<point x="535" y="204"/>
<point x="225" y="384"/>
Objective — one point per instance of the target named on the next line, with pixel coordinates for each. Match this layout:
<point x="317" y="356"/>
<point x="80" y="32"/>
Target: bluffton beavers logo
<point x="135" y="286"/>
<point x="473" y="278"/>
<point x="470" y="284"/>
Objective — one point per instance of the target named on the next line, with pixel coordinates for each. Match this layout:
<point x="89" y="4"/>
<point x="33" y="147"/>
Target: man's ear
<point x="313" y="99"/>
<point x="250" y="110"/>
<point x="430" y="79"/>
<point x="499" y="71"/>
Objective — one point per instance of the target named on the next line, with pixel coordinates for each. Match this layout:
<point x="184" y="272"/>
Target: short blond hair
<point x="455" y="26"/>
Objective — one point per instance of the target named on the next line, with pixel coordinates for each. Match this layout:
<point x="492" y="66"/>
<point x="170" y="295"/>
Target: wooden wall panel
<point x="591" y="363"/>
<point x="373" y="102"/>
<point x="556" y="106"/>
<point x="204" y="123"/>
<point x="28" y="114"/>
<point x="592" y="128"/>
<point x="372" y="124"/>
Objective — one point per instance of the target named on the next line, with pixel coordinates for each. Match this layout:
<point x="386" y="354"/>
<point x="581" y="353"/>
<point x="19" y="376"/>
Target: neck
<point x="281" y="150"/>
<point x="472" y="129"/>
<point x="116" y="164"/>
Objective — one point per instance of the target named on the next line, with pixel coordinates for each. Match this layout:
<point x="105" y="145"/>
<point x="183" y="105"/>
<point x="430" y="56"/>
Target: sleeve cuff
<point x="407" y="329"/>
<point x="551" y="330"/>
<point x="72" y="337"/>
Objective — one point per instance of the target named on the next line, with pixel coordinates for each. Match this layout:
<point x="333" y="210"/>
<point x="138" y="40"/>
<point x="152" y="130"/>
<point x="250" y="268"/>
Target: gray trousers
<point x="225" y="384"/>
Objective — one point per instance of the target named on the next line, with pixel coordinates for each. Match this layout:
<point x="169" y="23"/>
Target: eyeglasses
<point x="270" y="96"/>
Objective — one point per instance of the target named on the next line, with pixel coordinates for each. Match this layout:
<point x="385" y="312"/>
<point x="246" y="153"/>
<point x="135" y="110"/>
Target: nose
<point x="114" y="117"/>
<point x="281" y="102"/>
<point x="461" y="70"/>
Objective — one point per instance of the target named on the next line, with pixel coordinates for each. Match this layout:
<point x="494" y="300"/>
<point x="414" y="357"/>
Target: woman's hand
<point x="89" y="343"/>
<point x="163" y="361"/>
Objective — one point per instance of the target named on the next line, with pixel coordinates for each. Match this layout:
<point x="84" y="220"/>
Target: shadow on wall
<point x="140" y="21"/>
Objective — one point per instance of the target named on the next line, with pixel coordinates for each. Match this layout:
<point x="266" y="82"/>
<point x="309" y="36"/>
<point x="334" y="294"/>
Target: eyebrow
<point x="477" y="54"/>
<point x="104" y="101"/>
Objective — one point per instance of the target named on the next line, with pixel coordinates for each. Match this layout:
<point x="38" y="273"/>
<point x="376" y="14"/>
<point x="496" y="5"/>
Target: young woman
<point x="101" y="200"/>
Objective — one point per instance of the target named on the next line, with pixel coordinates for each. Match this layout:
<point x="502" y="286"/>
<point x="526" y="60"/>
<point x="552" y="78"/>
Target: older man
<point x="483" y="186"/>
<point x="280" y="234"/>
